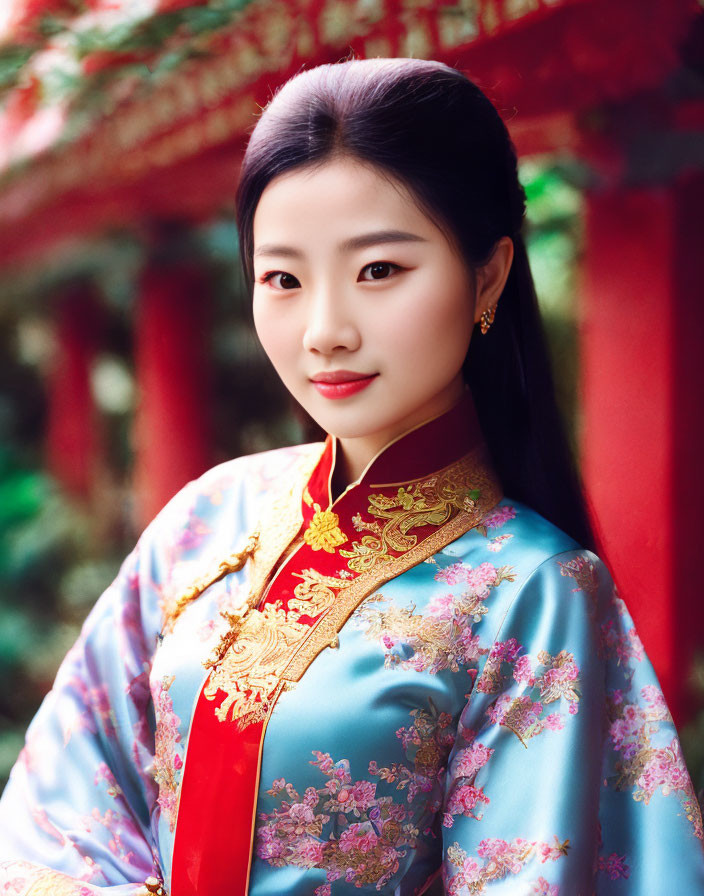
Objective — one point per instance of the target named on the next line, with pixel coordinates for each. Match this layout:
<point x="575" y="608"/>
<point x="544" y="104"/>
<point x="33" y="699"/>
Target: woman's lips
<point x="341" y="383"/>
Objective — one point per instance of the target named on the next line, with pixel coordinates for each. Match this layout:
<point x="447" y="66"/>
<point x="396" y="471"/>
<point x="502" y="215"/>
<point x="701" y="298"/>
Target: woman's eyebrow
<point x="363" y="241"/>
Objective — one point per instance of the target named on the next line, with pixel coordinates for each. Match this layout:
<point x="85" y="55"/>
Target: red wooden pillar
<point x="642" y="357"/>
<point x="73" y="440"/>
<point x="172" y="427"/>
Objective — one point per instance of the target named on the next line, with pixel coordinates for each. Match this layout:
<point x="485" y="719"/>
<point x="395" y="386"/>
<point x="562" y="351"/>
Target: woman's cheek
<point x="269" y="329"/>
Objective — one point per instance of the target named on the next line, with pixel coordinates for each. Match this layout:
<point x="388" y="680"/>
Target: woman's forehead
<point x="343" y="201"/>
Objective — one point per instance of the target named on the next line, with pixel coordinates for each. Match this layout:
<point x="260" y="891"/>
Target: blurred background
<point x="128" y="363"/>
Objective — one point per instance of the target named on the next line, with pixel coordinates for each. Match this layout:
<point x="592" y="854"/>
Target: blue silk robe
<point x="484" y="721"/>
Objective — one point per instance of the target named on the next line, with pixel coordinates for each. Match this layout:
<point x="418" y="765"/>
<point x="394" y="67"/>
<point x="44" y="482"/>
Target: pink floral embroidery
<point x="470" y="759"/>
<point x="442" y="637"/>
<point x="376" y="831"/>
<point x="501" y="652"/>
<point x="665" y="769"/>
<point x="554" y="678"/>
<point x="522" y="671"/>
<point x="90" y="869"/>
<point x="118" y="824"/>
<point x="463" y="801"/>
<point x="480" y="578"/>
<point x="519" y="714"/>
<point x="582" y="570"/>
<point x="560" y="679"/>
<point x="644" y="768"/>
<point x="167" y="759"/>
<point x="498" y="517"/>
<point x="623" y="645"/>
<point x="500" y="858"/>
<point x="656" y="699"/>
<point x="466" y="798"/>
<point x="451" y="575"/>
<point x="615" y="866"/>
<point x="498" y="542"/>
<point x="543" y="887"/>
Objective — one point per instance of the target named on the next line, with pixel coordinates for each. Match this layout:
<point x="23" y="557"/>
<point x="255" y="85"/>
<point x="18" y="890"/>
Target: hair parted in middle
<point x="426" y="126"/>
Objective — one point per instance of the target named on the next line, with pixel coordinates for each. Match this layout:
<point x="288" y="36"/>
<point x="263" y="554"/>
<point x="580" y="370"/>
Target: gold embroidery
<point x="53" y="883"/>
<point x="251" y="668"/>
<point x="280" y="521"/>
<point x="315" y="594"/>
<point x="233" y="563"/>
<point x="553" y="687"/>
<point x="429" y="502"/>
<point x="582" y="570"/>
<point x="437" y="641"/>
<point x="267" y="650"/>
<point x="354" y="592"/>
<point x="434" y="639"/>
<point x="324" y="532"/>
<point x="521" y="718"/>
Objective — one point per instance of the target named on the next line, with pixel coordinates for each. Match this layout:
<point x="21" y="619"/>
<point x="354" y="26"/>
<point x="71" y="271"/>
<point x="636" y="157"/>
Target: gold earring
<point x="487" y="319"/>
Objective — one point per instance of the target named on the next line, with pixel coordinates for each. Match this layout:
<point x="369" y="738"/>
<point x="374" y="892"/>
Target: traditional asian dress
<point x="420" y="687"/>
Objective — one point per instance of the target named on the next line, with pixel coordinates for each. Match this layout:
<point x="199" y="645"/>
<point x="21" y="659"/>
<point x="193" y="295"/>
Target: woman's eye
<point x="285" y="282"/>
<point x="380" y="270"/>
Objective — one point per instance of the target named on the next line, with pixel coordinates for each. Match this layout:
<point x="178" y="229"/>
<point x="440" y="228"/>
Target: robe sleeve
<point x="76" y="813"/>
<point x="567" y="775"/>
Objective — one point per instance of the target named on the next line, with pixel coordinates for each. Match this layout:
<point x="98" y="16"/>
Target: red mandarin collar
<point x="418" y="452"/>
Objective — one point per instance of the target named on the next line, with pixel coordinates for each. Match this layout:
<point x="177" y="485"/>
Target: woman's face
<point x="361" y="303"/>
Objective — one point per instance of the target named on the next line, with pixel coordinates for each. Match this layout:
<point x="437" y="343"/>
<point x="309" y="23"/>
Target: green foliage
<point x="12" y="59"/>
<point x="49" y="559"/>
<point x="553" y="240"/>
<point x="154" y="32"/>
<point x="128" y="36"/>
<point x="692" y="733"/>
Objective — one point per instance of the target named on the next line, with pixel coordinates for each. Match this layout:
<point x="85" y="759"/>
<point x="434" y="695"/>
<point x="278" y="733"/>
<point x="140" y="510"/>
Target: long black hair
<point x="428" y="126"/>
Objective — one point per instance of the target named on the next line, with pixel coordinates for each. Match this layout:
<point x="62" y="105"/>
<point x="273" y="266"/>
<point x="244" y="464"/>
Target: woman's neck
<point x="355" y="454"/>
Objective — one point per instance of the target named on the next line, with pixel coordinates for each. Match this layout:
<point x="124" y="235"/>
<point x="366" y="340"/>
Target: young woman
<point x="388" y="662"/>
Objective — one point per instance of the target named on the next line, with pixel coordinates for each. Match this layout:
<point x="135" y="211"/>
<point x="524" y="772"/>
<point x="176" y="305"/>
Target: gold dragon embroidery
<point x="431" y="502"/>
<point x="315" y="594"/>
<point x="252" y="667"/>
<point x="265" y="650"/>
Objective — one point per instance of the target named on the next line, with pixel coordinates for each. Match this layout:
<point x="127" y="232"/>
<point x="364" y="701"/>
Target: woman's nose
<point x="330" y="326"/>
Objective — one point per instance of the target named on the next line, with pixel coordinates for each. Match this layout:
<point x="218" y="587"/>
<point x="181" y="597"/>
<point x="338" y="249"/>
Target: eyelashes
<point x="269" y="276"/>
<point x="386" y="264"/>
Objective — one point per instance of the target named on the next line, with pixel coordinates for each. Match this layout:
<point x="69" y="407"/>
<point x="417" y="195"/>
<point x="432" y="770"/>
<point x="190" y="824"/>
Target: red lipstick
<point x="341" y="383"/>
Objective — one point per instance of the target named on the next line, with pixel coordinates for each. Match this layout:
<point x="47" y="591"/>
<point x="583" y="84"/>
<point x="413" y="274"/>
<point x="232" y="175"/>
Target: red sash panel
<point x="369" y="535"/>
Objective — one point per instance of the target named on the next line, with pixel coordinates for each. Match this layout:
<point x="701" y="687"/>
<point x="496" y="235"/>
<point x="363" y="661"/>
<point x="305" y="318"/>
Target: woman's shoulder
<point x="545" y="564"/>
<point x="237" y="485"/>
<point x="513" y="527"/>
<point x="261" y="470"/>
<point x="531" y="556"/>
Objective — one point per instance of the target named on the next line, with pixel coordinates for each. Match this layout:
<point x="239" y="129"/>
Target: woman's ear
<point x="491" y="277"/>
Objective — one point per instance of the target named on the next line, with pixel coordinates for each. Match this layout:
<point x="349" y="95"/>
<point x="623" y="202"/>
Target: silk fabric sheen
<point x="488" y="713"/>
